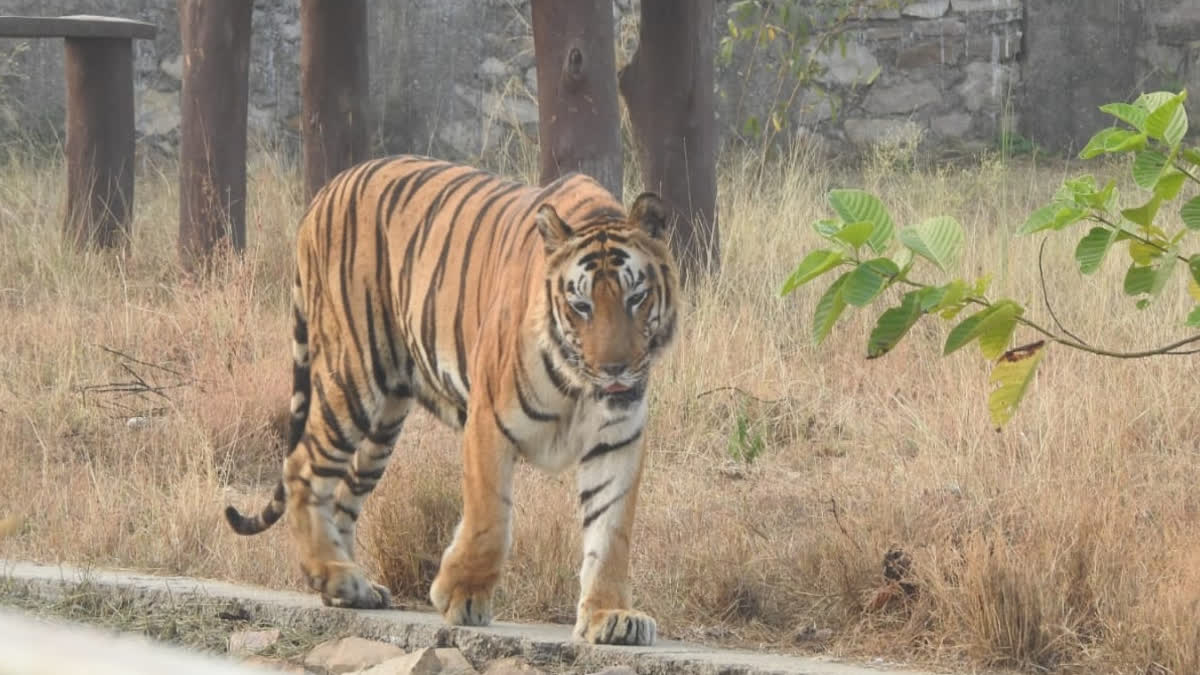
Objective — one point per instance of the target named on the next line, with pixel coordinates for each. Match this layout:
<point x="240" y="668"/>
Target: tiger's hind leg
<point x="370" y="461"/>
<point x="344" y="426"/>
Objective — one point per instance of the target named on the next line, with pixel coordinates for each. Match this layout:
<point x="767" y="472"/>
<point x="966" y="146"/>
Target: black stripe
<point x="299" y="327"/>
<point x="556" y="377"/>
<point x="300" y="384"/>
<point x="374" y="474"/>
<point x="337" y="436"/>
<point x="327" y="471"/>
<point x="526" y="408"/>
<point x="350" y="394"/>
<point x="377" y="369"/>
<point x="504" y="430"/>
<point x="346" y="510"/>
<point x="591" y="517"/>
<point x="314" y="444"/>
<point x="601" y="449"/>
<point x="499" y="189"/>
<point x="591" y="492"/>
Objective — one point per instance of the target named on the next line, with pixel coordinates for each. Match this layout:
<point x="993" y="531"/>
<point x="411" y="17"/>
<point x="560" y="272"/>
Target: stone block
<point x="904" y="97"/>
<point x="986" y="86"/>
<point x="511" y="666"/>
<point x="998" y="45"/>
<point x="348" y="655"/>
<point x="1180" y="26"/>
<point x="953" y="125"/>
<point x="245" y="642"/>
<point x="933" y="53"/>
<point x="940" y="28"/>
<point x="855" y="65"/>
<point x="926" y="9"/>
<point x="967" y="6"/>
<point x="868" y="132"/>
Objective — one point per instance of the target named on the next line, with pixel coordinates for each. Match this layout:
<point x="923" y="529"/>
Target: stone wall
<point x="455" y="77"/>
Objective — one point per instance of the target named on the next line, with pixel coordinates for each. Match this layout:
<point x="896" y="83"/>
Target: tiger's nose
<point x="613" y="369"/>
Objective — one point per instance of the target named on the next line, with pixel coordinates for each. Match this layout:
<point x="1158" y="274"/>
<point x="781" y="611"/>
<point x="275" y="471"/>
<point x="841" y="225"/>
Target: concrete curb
<point x="537" y="643"/>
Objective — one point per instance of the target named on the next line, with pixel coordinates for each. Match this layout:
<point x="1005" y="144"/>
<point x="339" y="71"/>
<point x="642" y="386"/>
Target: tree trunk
<point x="668" y="88"/>
<point x="578" y="112"/>
<point x="212" y="152"/>
<point x="99" y="141"/>
<point x="333" y="88"/>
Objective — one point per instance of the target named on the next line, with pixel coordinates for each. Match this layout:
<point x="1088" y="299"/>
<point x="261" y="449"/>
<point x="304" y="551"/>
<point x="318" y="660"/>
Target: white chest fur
<point x="592" y="423"/>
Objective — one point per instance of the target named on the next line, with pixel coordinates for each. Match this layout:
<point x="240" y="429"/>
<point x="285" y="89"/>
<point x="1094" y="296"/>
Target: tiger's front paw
<point x="616" y="627"/>
<point x="462" y="604"/>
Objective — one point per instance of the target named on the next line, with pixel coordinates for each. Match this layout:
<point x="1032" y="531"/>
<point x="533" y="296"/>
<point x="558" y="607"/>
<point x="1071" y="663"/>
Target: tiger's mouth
<point x="616" y="388"/>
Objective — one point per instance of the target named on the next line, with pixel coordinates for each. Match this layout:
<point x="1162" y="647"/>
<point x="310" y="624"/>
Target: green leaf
<point x="951" y="301"/>
<point x="1193" y="318"/>
<point x="1144" y="214"/>
<point x="1169" y="184"/>
<point x="932" y="296"/>
<point x="1093" y="247"/>
<point x="1142" y="253"/>
<point x="903" y="258"/>
<point x="1113" y="140"/>
<point x="829" y="308"/>
<point x="1129" y="114"/>
<point x="855" y="234"/>
<point x="967" y="330"/>
<point x="1168" y="122"/>
<point x="827" y="228"/>
<point x="894" y="324"/>
<point x="868" y="280"/>
<point x="1153" y="99"/>
<point x="1192" y="155"/>
<point x="1054" y="216"/>
<point x="1194" y="266"/>
<point x="1147" y="166"/>
<point x="1138" y="280"/>
<point x="814" y="265"/>
<point x="1010" y="379"/>
<point x="940" y="240"/>
<point x="856" y="206"/>
<point x="1162" y="273"/>
<point x="995" y="331"/>
<point x="1191" y="213"/>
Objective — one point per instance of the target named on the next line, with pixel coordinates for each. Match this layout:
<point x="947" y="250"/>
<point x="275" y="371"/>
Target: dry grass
<point x="1067" y="543"/>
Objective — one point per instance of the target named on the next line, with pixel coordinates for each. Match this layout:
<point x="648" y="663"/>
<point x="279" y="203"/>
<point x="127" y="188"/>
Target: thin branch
<point x="1046" y="294"/>
<point x="1172" y="349"/>
<point x="739" y="390"/>
<point x="833" y="508"/>
<point x="127" y="357"/>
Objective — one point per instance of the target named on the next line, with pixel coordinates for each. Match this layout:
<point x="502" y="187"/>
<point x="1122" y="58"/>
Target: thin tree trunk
<point x="212" y="152"/>
<point x="668" y="88"/>
<point x="578" y="111"/>
<point x="333" y="88"/>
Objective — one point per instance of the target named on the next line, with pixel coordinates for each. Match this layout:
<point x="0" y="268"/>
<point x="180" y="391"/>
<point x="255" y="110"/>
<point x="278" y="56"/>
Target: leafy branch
<point x="863" y="233"/>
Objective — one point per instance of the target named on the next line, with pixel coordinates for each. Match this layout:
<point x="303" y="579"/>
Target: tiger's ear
<point x="554" y="231"/>
<point x="649" y="213"/>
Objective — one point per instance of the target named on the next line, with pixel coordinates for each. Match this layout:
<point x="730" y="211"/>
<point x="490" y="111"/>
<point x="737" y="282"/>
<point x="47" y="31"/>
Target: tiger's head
<point x="611" y="285"/>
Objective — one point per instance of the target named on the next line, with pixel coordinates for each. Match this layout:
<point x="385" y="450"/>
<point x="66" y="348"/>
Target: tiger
<point x="526" y="317"/>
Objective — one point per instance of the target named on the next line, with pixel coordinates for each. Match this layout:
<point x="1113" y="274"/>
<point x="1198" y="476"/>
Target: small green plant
<point x="1153" y="131"/>
<point x="790" y="40"/>
<point x="745" y="443"/>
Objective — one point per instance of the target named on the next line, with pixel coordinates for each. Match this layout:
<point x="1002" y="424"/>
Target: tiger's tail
<point x="301" y="394"/>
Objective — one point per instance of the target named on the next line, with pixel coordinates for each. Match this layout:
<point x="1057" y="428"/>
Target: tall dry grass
<point x="1066" y="543"/>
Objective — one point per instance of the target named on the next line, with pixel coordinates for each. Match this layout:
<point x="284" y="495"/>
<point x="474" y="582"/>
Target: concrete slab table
<point x="99" y="74"/>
